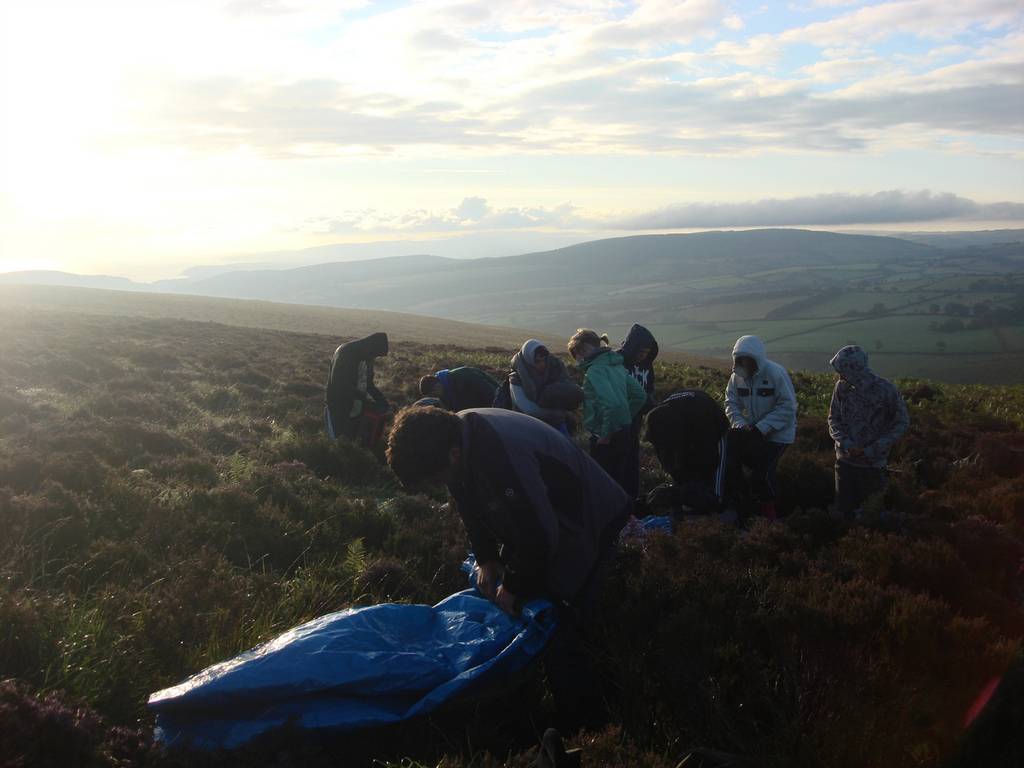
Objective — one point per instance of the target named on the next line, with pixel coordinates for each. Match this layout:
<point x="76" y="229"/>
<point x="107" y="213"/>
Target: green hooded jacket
<point x="611" y="397"/>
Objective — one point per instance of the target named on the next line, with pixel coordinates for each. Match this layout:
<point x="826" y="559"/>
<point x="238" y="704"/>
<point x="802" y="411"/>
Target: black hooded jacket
<point x="638" y="338"/>
<point x="343" y="380"/>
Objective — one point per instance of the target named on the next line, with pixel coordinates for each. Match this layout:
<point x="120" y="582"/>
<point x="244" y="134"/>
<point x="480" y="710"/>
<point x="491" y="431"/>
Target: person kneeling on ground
<point x="539" y="385"/>
<point x="866" y="417"/>
<point x="688" y="431"/>
<point x="611" y="399"/>
<point x="542" y="518"/>
<point x="460" y="388"/>
<point x="355" y="407"/>
<point x="761" y="406"/>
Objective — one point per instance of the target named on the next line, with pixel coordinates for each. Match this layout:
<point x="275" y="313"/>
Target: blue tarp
<point x="355" y="669"/>
<point x="664" y="523"/>
<point x="360" y="668"/>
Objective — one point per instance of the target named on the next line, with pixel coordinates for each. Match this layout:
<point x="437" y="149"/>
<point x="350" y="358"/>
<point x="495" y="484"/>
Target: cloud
<point x="920" y="18"/>
<point x="890" y="207"/>
<point x="257" y="8"/>
<point x="662" y="22"/>
<point x="472" y="214"/>
<point x="838" y="209"/>
<point x="574" y="77"/>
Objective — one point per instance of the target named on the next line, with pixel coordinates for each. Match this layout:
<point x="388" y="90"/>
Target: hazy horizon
<point x="143" y="139"/>
<point x="464" y="247"/>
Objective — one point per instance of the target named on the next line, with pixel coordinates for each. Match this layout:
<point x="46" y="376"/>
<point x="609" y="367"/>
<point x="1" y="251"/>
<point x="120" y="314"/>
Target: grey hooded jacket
<point x="768" y="402"/>
<point x="548" y="396"/>
<point x="866" y="412"/>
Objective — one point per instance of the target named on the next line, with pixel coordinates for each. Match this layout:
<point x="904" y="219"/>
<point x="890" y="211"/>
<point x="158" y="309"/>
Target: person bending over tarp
<point x="460" y="388"/>
<point x="356" y="409"/>
<point x="639" y="350"/>
<point x="761" y="406"/>
<point x="688" y="431"/>
<point x="539" y="386"/>
<point x="542" y="518"/>
<point x="866" y="417"/>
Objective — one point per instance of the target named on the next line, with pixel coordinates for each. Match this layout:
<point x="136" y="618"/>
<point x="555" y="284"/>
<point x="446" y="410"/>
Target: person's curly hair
<point x="420" y="442"/>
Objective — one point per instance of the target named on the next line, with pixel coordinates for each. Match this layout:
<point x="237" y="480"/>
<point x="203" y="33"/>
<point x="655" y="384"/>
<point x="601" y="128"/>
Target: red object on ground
<point x="981" y="701"/>
<point x="372" y="427"/>
<point x="768" y="511"/>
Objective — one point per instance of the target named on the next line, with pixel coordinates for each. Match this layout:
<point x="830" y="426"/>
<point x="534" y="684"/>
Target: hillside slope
<point x="168" y="500"/>
<point x="953" y="313"/>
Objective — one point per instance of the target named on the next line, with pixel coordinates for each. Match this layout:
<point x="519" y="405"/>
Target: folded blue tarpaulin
<point x="664" y="523"/>
<point x="355" y="669"/>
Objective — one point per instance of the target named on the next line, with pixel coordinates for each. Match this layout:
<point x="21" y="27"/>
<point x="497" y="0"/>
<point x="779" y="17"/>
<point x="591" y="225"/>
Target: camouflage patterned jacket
<point x="866" y="412"/>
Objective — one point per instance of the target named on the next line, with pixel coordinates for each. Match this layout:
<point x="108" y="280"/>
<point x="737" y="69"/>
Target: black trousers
<point x="631" y="478"/>
<point x="614" y="456"/>
<point x="749" y="449"/>
<point x="855" y="485"/>
<point x="568" y="665"/>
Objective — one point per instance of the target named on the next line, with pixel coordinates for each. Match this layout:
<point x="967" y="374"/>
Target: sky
<point x="140" y="137"/>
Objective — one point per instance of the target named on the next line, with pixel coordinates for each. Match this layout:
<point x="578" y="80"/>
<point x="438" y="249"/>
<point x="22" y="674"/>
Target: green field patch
<point x="858" y="268"/>
<point x="753" y="308"/>
<point x="960" y="282"/>
<point x="768" y="329"/>
<point x="995" y="298"/>
<point x="680" y="334"/>
<point x="710" y="283"/>
<point x="854" y="301"/>
<point x="909" y="280"/>
<point x="656" y="289"/>
<point x="900" y="333"/>
<point x="1012" y="336"/>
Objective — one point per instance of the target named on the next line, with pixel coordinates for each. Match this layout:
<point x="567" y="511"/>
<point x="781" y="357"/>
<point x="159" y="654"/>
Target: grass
<point x="168" y="500"/>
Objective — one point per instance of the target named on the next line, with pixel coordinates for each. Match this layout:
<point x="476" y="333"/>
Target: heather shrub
<point x="338" y="459"/>
<point x="11" y="404"/>
<point x="168" y="500"/>
<point x="48" y="731"/>
<point x="26" y="644"/>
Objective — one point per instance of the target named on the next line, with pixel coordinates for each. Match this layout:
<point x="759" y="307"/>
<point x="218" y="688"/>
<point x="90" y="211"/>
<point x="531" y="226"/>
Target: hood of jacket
<point x="603" y="356"/>
<point x="851" y="362"/>
<point x="526" y="375"/>
<point x="376" y="344"/>
<point x="638" y="338"/>
<point x="528" y="350"/>
<point x="750" y="346"/>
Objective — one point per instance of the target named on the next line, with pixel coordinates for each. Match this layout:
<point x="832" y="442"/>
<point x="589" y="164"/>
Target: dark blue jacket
<point x="533" y="500"/>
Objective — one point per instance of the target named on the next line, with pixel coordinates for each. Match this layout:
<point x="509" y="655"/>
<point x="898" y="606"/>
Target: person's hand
<point x="856" y="452"/>
<point x="506" y="601"/>
<point x="603" y="440"/>
<point x="487" y="576"/>
<point x="749" y="428"/>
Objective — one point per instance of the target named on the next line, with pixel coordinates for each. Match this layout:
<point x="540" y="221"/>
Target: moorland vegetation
<point x="168" y="499"/>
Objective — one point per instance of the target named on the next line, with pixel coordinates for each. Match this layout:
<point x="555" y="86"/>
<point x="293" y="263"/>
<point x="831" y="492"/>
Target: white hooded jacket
<point x="768" y="402"/>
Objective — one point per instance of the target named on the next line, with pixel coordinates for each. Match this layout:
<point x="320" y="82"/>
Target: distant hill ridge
<point x="954" y="312"/>
<point x="417" y="282"/>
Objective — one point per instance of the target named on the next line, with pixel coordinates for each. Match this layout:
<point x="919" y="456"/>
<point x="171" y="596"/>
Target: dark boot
<point x="553" y="754"/>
